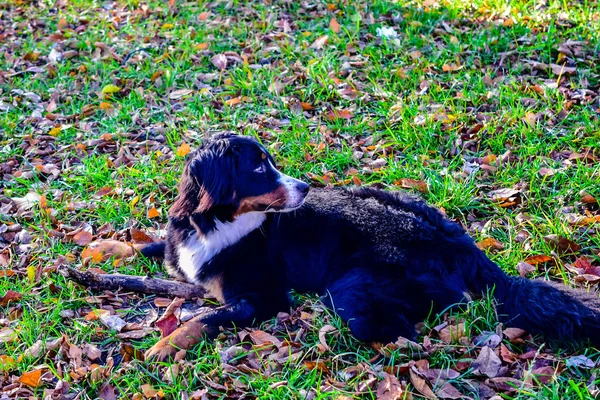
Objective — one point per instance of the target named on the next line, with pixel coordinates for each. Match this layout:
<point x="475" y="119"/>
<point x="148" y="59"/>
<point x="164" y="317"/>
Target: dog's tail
<point x="154" y="250"/>
<point x="560" y="314"/>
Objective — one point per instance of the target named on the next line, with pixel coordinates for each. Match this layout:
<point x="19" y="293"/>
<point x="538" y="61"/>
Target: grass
<point x="456" y="86"/>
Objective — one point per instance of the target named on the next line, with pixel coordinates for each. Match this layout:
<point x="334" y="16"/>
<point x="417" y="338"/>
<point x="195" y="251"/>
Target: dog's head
<point x="236" y="175"/>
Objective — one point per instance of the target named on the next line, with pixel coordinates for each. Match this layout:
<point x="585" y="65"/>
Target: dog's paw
<point x="163" y="351"/>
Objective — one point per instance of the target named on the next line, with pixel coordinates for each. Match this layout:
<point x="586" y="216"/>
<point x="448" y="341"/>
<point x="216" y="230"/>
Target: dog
<point x="382" y="260"/>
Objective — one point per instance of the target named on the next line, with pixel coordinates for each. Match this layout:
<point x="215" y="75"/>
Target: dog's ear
<point x="189" y="191"/>
<point x="208" y="180"/>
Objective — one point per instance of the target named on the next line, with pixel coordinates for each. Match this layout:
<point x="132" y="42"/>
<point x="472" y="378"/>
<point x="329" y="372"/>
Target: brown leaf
<point x="334" y="26"/>
<point x="537" y="259"/>
<point x="487" y="363"/>
<point x="452" y="333"/>
<point x="421" y="384"/>
<point x="32" y="378"/>
<point x="585" y="264"/>
<point x="322" y="332"/>
<point x="102" y="250"/>
<point x="82" y="238"/>
<point x="389" y="388"/>
<point x="319" y="43"/>
<point x="407" y="183"/>
<point x="513" y="333"/>
<point x="525" y="268"/>
<point x="167" y="325"/>
<point x="588" y="199"/>
<point x="319" y="365"/>
<point x="562" y="244"/>
<point x="219" y="61"/>
<point x="10" y="296"/>
<point x="138" y="236"/>
<point x="338" y="114"/>
<point x="490" y="244"/>
<point x="261" y="338"/>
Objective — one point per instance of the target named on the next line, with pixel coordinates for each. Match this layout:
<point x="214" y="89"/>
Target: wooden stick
<point x="131" y="283"/>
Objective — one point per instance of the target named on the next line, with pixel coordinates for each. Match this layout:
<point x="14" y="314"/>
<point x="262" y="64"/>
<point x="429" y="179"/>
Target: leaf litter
<point x="61" y="128"/>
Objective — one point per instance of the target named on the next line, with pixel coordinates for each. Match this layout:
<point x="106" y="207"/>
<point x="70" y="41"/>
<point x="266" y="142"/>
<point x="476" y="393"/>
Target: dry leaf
<point x="183" y="150"/>
<point x="82" y="238"/>
<point x="490" y="244"/>
<point x="487" y="363"/>
<point x="219" y="61"/>
<point x="178" y="94"/>
<point x="319" y="43"/>
<point x="10" y="296"/>
<point x="32" y="378"/>
<point x="537" y="259"/>
<point x="153" y="213"/>
<point x="334" y="26"/>
<point x="525" y="268"/>
<point x="102" y="250"/>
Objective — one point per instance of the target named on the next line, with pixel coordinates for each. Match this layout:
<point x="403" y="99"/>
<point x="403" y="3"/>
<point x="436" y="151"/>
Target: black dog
<point x="383" y="260"/>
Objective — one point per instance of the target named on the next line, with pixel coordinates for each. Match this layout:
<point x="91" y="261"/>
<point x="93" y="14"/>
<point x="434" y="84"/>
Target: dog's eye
<point x="261" y="169"/>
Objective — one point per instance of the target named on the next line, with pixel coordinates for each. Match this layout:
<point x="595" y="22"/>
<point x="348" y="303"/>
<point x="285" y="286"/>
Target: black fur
<point x="382" y="260"/>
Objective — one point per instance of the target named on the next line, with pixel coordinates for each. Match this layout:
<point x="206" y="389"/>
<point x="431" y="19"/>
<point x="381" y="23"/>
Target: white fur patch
<point x="198" y="250"/>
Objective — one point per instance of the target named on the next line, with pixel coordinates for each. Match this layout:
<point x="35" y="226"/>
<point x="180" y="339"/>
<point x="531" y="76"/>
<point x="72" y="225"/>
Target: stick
<point x="131" y="283"/>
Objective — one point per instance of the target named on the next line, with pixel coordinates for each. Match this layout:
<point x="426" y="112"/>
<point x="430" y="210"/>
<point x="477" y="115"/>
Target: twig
<point x="139" y="284"/>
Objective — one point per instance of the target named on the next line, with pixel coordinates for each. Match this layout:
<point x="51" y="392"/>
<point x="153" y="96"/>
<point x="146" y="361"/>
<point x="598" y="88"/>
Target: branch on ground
<point x="132" y="283"/>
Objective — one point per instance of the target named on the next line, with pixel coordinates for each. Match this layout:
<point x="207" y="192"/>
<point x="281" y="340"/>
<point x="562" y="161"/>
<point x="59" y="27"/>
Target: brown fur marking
<point x="276" y="198"/>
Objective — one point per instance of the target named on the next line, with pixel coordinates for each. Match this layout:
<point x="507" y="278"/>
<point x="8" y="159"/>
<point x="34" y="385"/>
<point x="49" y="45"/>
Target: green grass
<point x="454" y="87"/>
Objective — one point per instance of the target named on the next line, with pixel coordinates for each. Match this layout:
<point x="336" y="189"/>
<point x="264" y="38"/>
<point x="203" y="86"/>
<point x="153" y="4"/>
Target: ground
<point x="487" y="108"/>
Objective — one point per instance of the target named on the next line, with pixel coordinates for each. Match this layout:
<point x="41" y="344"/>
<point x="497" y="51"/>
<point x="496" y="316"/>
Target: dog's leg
<point x="205" y="325"/>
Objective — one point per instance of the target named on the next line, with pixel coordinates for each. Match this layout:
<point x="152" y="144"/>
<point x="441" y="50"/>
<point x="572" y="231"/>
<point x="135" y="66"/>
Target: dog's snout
<point x="302" y="188"/>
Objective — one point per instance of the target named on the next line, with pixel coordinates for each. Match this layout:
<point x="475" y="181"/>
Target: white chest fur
<point x="196" y="251"/>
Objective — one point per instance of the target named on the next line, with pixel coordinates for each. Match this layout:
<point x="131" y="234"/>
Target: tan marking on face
<point x="214" y="288"/>
<point x="272" y="200"/>
<point x="263" y="156"/>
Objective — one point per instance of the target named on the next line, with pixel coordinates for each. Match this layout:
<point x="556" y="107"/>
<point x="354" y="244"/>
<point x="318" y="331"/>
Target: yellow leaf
<point x="416" y="24"/>
<point x="55" y="131"/>
<point x="168" y="26"/>
<point x="110" y="89"/>
<point x="183" y="150"/>
<point x="134" y="201"/>
<point x="202" y="46"/>
<point x="31" y="272"/>
<point x="153" y="213"/>
<point x="104" y="105"/>
<point x="7" y="363"/>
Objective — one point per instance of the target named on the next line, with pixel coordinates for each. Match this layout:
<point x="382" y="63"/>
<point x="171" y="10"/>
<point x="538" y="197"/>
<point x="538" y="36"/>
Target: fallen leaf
<point x="32" y="378"/>
<point x="524" y="268"/>
<point x="562" y="244"/>
<point x="82" y="238"/>
<point x="334" y="26"/>
<point x="27" y="202"/>
<point x="102" y="250"/>
<point x="487" y="363"/>
<point x="219" y="61"/>
<point x="407" y="183"/>
<point x="389" y="388"/>
<point x="333" y="115"/>
<point x="10" y="296"/>
<point x="323" y="332"/>
<point x="537" y="259"/>
<point x="178" y="94"/>
<point x="319" y="43"/>
<point x="420" y="383"/>
<point x="261" y="338"/>
<point x="318" y="365"/>
<point x="153" y="213"/>
<point x="108" y="89"/>
<point x="7" y="335"/>
<point x="183" y="150"/>
<point x="138" y="236"/>
<point x="490" y="244"/>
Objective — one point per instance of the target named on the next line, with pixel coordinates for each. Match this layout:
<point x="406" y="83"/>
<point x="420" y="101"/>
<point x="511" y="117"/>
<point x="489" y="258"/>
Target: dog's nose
<point x="302" y="188"/>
